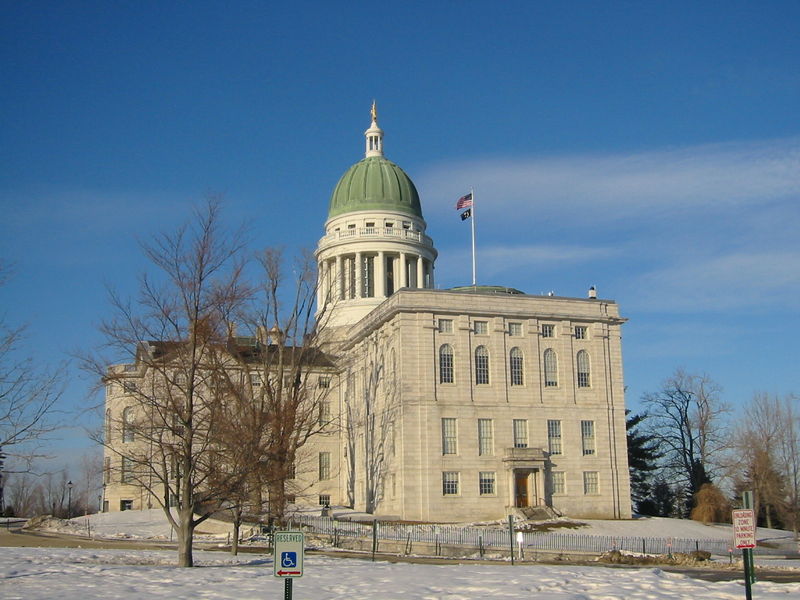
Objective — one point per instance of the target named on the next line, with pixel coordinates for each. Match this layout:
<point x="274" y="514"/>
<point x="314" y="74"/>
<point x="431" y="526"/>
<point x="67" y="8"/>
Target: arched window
<point x="445" y="363"/>
<point x="550" y="368"/>
<point x="516" y="364"/>
<point x="481" y="365"/>
<point x="127" y="424"/>
<point x="582" y="361"/>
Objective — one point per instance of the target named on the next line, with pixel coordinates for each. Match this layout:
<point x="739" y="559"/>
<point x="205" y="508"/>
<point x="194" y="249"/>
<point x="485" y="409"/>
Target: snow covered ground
<point x="81" y="574"/>
<point x="75" y="574"/>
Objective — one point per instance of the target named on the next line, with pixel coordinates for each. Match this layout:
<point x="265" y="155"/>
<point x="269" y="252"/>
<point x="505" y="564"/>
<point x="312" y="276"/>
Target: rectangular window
<point x="486" y="483"/>
<point x="445" y="325"/>
<point x="450" y="483"/>
<point x="126" y="475"/>
<point x="324" y="500"/>
<point x="580" y="332"/>
<point x="485" y="437"/>
<point x="324" y="413"/>
<point x="126" y="504"/>
<point x="559" y="483"/>
<point x="449" y="439"/>
<point x="587" y="437"/>
<point x="554" y="437"/>
<point x="130" y="368"/>
<point x="291" y="471"/>
<point x="107" y="471"/>
<point x="515" y="329"/>
<point x="481" y="327"/>
<point x="255" y="379"/>
<point x="520" y="433"/>
<point x="129" y="387"/>
<point x="548" y="330"/>
<point x="324" y="466"/>
<point x="324" y="381"/>
<point x="590" y="485"/>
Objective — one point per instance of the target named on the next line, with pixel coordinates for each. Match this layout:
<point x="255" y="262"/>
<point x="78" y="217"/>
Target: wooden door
<point x="521" y="490"/>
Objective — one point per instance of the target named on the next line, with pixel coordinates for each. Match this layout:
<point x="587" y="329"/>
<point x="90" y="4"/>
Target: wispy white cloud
<point x="737" y="280"/>
<point x="705" y="177"/>
<point x="496" y="260"/>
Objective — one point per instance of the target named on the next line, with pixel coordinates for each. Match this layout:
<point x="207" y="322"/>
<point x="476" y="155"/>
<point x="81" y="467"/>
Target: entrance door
<point x="521" y="490"/>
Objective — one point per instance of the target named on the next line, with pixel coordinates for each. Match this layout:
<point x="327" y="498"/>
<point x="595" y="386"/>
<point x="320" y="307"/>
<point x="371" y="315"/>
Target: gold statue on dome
<point x="374" y="112"/>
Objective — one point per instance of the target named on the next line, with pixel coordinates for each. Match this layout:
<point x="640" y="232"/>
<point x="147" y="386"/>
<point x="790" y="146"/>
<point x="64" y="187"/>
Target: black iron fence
<point x="499" y="538"/>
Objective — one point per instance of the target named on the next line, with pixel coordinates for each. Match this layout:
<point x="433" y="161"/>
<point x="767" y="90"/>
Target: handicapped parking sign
<point x="288" y="559"/>
<point x="288" y="555"/>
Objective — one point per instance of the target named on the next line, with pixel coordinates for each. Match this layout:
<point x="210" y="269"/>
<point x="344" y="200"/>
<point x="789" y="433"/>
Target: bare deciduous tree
<point x="371" y="416"/>
<point x="687" y="418"/>
<point x="177" y="328"/>
<point x="205" y="419"/>
<point x="28" y="396"/>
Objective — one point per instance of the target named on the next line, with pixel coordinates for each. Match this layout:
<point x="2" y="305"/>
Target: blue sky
<point x="650" y="149"/>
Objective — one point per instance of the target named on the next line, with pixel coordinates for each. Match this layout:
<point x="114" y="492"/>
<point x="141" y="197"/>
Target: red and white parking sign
<point x="744" y="528"/>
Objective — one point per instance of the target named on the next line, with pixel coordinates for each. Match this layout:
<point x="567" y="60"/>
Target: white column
<point x="420" y="272"/>
<point x="320" y="280"/>
<point x="403" y="270"/>
<point x="359" y="273"/>
<point x="339" y="280"/>
<point x="380" y="275"/>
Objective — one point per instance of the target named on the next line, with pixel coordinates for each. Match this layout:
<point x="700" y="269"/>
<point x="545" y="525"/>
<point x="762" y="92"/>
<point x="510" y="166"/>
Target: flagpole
<point x="472" y="193"/>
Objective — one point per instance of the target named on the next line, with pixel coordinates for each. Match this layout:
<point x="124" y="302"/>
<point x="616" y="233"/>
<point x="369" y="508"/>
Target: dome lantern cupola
<point x="374" y="135"/>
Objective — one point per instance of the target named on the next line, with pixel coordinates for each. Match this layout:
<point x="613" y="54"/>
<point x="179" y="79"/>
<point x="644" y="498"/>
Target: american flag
<point x="464" y="201"/>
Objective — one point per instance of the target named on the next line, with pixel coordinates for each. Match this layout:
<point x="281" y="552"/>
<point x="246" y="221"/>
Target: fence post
<point x="374" y="539"/>
<point x="644" y="547"/>
<point x="480" y="545"/>
<point x="511" y="537"/>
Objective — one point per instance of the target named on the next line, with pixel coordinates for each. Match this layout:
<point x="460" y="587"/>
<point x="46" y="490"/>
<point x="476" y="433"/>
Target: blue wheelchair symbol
<point x="288" y="559"/>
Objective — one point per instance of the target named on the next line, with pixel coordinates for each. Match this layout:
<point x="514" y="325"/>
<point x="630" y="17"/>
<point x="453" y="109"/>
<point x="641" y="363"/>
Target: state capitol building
<point x="458" y="404"/>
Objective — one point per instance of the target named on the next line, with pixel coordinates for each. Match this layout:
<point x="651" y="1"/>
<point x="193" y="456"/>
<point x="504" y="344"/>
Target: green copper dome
<point x="375" y="183"/>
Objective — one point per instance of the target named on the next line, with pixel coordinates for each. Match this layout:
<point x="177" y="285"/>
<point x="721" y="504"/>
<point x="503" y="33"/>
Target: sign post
<point x="744" y="539"/>
<point x="287" y="558"/>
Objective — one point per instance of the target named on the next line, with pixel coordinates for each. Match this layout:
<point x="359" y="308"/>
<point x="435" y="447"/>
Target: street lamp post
<point x="69" y="499"/>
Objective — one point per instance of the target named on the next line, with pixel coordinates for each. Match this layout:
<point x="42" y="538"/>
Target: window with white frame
<point x="554" y="436"/>
<point x="450" y="483"/>
<point x="255" y="379"/>
<point x="485" y="437"/>
<point x="582" y="361"/>
<point x="486" y="483"/>
<point x="515" y="329"/>
<point x="520" y="427"/>
<point x="324" y="466"/>
<point x="550" y="368"/>
<point x="587" y="437"/>
<point x="481" y="365"/>
<point x="580" y="332"/>
<point x="445" y="325"/>
<point x="449" y="436"/>
<point x="559" y="483"/>
<point x="126" y="474"/>
<point x="324" y="500"/>
<point x="516" y="366"/>
<point x="324" y="381"/>
<point x="590" y="482"/>
<point x="127" y="424"/>
<point x="548" y="330"/>
<point x="445" y="363"/>
<point x="324" y="412"/>
<point x="481" y="327"/>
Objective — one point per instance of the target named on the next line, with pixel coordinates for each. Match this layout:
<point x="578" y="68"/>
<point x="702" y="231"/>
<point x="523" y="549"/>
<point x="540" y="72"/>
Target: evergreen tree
<point x="643" y="455"/>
